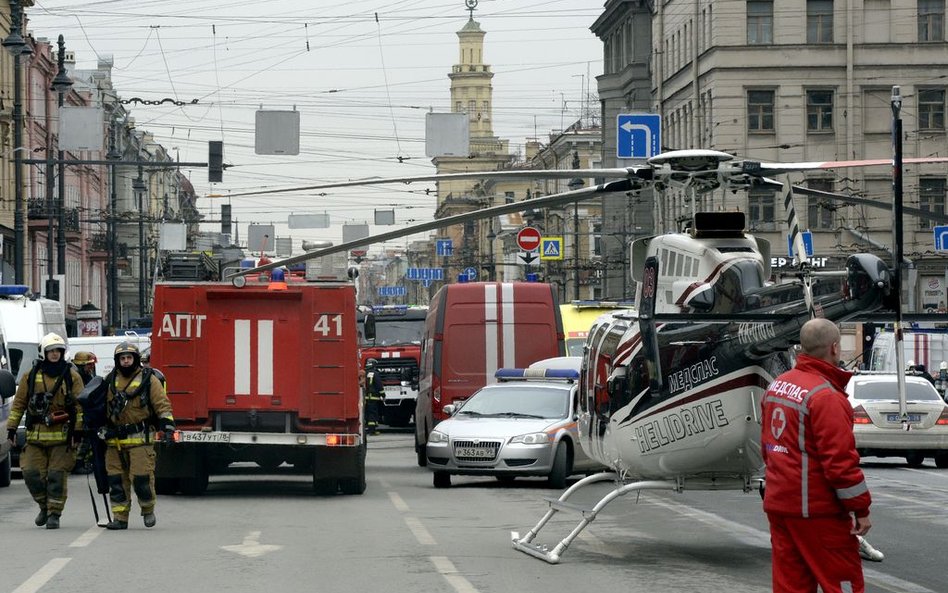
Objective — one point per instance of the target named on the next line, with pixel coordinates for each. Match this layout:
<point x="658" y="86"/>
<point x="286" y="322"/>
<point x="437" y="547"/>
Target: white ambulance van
<point x="25" y="319"/>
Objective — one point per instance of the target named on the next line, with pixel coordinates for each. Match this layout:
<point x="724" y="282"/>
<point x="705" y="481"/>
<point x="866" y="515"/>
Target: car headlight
<point x="534" y="438"/>
<point x="437" y="437"/>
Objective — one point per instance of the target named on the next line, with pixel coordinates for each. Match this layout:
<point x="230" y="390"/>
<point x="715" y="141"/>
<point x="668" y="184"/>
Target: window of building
<point x="508" y="197"/>
<point x="472" y="109"/>
<point x="819" y="212"/>
<point x="760" y="22"/>
<point x="931" y="198"/>
<point x="457" y="107"/>
<point x="931" y="109"/>
<point x="819" y="21"/>
<point x="597" y="238"/>
<point x="760" y="111"/>
<point x="760" y="210"/>
<point x="819" y="111"/>
<point x="931" y="20"/>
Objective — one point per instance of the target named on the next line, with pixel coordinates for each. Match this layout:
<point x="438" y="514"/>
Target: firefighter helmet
<point x="128" y="348"/>
<point x="83" y="358"/>
<point x="52" y="341"/>
<point x="370" y="363"/>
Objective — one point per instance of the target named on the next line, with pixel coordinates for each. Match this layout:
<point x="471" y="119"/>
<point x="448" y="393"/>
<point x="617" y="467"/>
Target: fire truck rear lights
<point x="301" y="439"/>
<point x="342" y="440"/>
<point x="527" y="374"/>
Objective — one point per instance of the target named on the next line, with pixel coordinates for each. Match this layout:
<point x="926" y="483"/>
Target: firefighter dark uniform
<point x="48" y="396"/>
<point x="136" y="402"/>
<point x="373" y="396"/>
<point x="813" y="480"/>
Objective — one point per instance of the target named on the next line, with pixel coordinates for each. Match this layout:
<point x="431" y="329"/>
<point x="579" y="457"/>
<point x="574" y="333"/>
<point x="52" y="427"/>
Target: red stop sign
<point x="528" y="239"/>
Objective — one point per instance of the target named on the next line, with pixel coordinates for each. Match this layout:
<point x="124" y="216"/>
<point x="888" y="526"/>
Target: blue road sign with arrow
<point x="941" y="238"/>
<point x="638" y="135"/>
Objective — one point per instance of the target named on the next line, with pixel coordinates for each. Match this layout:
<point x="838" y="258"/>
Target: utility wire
<point x="398" y="146"/>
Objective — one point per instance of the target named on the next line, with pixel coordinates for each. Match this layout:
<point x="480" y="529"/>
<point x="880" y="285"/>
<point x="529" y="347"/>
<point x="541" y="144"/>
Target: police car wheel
<point x="941" y="460"/>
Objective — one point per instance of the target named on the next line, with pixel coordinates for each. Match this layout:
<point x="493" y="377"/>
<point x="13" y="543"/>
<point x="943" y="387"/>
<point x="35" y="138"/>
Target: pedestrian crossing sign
<point x="551" y="248"/>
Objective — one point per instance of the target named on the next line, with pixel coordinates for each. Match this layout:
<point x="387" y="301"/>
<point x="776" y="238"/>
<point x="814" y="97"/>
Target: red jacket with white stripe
<point x="808" y="444"/>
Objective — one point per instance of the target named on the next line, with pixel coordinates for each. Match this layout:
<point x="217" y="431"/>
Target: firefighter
<point x="48" y="395"/>
<point x="85" y="364"/>
<point x="373" y="396"/>
<point x="136" y="403"/>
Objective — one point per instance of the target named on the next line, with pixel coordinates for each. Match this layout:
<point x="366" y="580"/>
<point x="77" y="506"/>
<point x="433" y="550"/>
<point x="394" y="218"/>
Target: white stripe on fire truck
<point x="265" y="357"/>
<point x="242" y="357"/>
<point x="490" y="332"/>
<point x="510" y="348"/>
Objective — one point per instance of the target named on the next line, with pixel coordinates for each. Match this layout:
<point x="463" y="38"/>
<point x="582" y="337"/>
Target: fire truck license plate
<point x="205" y="437"/>
<point x="478" y="452"/>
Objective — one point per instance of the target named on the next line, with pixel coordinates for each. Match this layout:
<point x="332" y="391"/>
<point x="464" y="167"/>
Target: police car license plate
<point x="911" y="418"/>
<point x="476" y="452"/>
<point x="205" y="437"/>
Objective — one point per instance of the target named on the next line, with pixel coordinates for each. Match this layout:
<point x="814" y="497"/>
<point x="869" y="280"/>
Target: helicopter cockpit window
<point x="734" y="283"/>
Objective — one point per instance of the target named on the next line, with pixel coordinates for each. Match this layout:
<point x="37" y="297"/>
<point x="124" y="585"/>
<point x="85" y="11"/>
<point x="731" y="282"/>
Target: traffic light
<point x="215" y="161"/>
<point x="225" y="219"/>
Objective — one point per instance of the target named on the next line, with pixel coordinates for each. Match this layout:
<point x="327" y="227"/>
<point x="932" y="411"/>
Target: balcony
<point x="36" y="210"/>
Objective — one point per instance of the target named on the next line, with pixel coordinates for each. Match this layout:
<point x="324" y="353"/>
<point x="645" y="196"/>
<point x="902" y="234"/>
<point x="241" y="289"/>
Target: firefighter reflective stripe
<point x="243" y="358"/>
<point x="490" y="332"/>
<point x="265" y="357"/>
<point x="510" y="350"/>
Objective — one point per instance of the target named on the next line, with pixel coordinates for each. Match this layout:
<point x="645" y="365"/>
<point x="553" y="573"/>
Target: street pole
<point x="50" y="210"/>
<point x="113" y="210"/>
<point x="61" y="85"/>
<point x="17" y="47"/>
<point x="897" y="249"/>
<point x="140" y="190"/>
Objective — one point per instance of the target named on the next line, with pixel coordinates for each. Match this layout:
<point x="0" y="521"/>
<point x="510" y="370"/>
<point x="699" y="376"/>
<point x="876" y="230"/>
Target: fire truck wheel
<point x="420" y="453"/>
<point x="5" y="470"/>
<point x="355" y="485"/>
<point x="166" y="485"/>
<point x="941" y="460"/>
<point x="324" y="486"/>
<point x="195" y="485"/>
<point x="442" y="480"/>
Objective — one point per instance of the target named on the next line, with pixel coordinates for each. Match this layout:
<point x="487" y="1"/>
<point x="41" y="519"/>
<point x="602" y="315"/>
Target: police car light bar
<point x="13" y="289"/>
<point x="527" y="374"/>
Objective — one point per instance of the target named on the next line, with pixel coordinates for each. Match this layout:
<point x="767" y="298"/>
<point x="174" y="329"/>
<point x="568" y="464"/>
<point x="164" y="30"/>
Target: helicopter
<point x="670" y="391"/>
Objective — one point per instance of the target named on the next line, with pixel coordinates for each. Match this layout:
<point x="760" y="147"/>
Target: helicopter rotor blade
<point x="623" y="185"/>
<point x="614" y="173"/>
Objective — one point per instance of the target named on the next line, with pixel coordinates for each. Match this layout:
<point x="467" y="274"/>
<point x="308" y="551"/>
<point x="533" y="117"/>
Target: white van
<point x="25" y="320"/>
<point x="104" y="348"/>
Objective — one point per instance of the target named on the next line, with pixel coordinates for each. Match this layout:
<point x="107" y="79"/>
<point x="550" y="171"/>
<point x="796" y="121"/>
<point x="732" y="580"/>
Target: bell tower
<point x="471" y="90"/>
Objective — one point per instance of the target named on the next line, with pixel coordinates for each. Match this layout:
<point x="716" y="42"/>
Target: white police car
<point x="524" y="425"/>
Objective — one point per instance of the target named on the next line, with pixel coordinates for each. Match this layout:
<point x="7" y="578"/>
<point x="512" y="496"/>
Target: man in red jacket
<point x="816" y="498"/>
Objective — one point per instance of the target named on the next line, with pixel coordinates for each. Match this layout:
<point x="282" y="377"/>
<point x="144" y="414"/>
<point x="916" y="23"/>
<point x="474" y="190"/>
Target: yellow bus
<point x="578" y="317"/>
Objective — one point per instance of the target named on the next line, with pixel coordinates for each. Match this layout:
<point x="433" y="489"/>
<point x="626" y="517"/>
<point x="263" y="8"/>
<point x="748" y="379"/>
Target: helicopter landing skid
<point x="525" y="544"/>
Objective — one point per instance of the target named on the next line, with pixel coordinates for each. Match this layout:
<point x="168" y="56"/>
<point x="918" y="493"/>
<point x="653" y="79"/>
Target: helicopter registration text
<point x="675" y="426"/>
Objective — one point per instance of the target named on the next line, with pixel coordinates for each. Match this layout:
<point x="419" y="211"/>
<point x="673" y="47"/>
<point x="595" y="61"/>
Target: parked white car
<point x="878" y="426"/>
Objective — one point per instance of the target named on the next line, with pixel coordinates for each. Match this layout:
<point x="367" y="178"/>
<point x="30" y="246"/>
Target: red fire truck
<point x="396" y="349"/>
<point x="265" y="373"/>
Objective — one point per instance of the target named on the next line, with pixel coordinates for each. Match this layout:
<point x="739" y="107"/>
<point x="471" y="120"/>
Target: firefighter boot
<point x="150" y="519"/>
<point x="116" y="524"/>
<point x="41" y="517"/>
<point x="52" y="522"/>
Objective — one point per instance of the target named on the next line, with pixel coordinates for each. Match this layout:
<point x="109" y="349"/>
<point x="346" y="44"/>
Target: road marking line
<point x="418" y="530"/>
<point x="399" y="503"/>
<point x="753" y="536"/>
<point x="446" y="569"/>
<point x="86" y="538"/>
<point x="42" y="576"/>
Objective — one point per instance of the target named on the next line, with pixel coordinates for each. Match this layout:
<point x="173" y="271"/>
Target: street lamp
<point x="138" y="186"/>
<point x="61" y="85"/>
<point x="17" y="46"/>
<point x="574" y="184"/>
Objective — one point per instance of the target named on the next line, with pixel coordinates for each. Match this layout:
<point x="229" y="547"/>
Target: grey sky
<point x="362" y="87"/>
